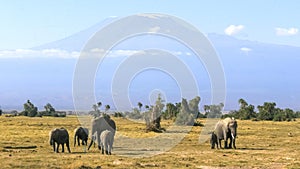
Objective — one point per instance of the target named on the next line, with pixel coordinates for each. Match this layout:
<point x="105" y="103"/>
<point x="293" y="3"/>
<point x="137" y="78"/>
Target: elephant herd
<point x="103" y="131"/>
<point x="104" y="128"/>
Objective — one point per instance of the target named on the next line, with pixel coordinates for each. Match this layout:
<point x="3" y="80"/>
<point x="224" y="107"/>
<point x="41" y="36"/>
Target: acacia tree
<point x="96" y="112"/>
<point x="29" y="109"/>
<point x="266" y="111"/>
<point x="107" y="107"/>
<point x="246" y="111"/>
<point x="140" y="105"/>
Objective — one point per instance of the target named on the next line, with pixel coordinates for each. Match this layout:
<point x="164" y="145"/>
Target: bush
<point x="118" y="114"/>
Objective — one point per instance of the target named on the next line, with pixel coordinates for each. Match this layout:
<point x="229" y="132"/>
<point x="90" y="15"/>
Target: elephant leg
<point x="68" y="146"/>
<point x="99" y="141"/>
<point x="78" y="141"/>
<point x="85" y="141"/>
<point x="53" y="146"/>
<point x="102" y="150"/>
<point x="230" y="143"/>
<point x="225" y="144"/>
<point x="63" y="147"/>
<point x="109" y="149"/>
<point x="234" y="144"/>
<point x="57" y="147"/>
<point x="220" y="143"/>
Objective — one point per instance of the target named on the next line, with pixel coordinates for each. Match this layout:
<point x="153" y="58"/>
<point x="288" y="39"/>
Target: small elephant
<point x="59" y="136"/>
<point x="99" y="125"/>
<point x="226" y="129"/>
<point x="214" y="140"/>
<point x="81" y="134"/>
<point x="106" y="138"/>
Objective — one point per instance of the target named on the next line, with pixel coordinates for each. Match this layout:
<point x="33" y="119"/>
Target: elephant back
<point x="60" y="135"/>
<point x="103" y="123"/>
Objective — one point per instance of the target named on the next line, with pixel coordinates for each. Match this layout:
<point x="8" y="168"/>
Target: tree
<point x="170" y="112"/>
<point x="29" y="109"/>
<point x="188" y="112"/>
<point x="96" y="112"/>
<point x="49" y="108"/>
<point x="1" y="111"/>
<point x="140" y="105"/>
<point x="213" y="111"/>
<point x="107" y="107"/>
<point x="246" y="111"/>
<point x="267" y="111"/>
<point x="242" y="103"/>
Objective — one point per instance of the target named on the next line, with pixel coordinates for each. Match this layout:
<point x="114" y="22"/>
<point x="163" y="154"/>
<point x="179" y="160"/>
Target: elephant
<point x="100" y="124"/>
<point x="81" y="134"/>
<point x="106" y="138"/>
<point x="226" y="129"/>
<point x="214" y="140"/>
<point x="59" y="136"/>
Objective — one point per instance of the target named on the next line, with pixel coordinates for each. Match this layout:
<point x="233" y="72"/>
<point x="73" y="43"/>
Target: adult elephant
<point x="226" y="129"/>
<point x="99" y="125"/>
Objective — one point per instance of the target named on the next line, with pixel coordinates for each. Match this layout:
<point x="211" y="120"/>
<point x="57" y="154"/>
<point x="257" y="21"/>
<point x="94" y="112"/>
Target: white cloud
<point x="154" y="29"/>
<point x="151" y="16"/>
<point x="234" y="29"/>
<point x="246" y="50"/>
<point x="45" y="53"/>
<point x="63" y="54"/>
<point x="286" y="31"/>
<point x="188" y="53"/>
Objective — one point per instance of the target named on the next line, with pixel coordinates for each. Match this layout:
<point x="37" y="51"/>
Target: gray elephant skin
<point x="106" y="138"/>
<point x="226" y="129"/>
<point x="214" y="140"/>
<point x="99" y="125"/>
<point x="59" y="136"/>
<point x="81" y="134"/>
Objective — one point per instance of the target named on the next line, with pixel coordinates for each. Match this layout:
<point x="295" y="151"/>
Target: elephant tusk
<point x="232" y="136"/>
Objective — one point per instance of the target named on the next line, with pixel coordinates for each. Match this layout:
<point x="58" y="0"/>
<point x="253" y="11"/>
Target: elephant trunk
<point x="232" y="136"/>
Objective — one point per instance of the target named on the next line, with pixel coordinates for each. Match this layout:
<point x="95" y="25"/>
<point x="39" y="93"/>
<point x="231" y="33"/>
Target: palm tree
<point x="140" y="105"/>
<point x="99" y="104"/>
<point x="107" y="107"/>
<point x="95" y="107"/>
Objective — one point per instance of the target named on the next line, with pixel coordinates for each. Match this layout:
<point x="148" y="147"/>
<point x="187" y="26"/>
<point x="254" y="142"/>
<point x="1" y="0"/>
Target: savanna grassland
<point x="24" y="143"/>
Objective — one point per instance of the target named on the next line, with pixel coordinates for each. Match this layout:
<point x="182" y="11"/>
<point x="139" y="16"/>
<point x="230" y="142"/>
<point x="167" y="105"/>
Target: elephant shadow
<point x="252" y="148"/>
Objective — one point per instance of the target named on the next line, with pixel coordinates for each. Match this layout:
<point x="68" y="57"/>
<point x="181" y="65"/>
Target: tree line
<point x="181" y="114"/>
<point x="267" y="111"/>
<point x="30" y="110"/>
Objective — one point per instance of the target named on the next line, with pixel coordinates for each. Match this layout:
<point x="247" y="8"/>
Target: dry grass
<point x="260" y="145"/>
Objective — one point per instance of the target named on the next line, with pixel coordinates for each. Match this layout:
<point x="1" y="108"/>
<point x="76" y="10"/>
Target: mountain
<point x="255" y="71"/>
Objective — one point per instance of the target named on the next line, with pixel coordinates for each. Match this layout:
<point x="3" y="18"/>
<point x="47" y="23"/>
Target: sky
<point x="245" y="34"/>
<point x="30" y="23"/>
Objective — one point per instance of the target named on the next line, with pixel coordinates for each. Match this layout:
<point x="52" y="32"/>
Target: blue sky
<point x="255" y="67"/>
<point x="30" y="23"/>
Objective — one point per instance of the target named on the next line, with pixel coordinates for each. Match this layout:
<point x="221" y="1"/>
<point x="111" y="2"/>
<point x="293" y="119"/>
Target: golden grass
<point x="259" y="145"/>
